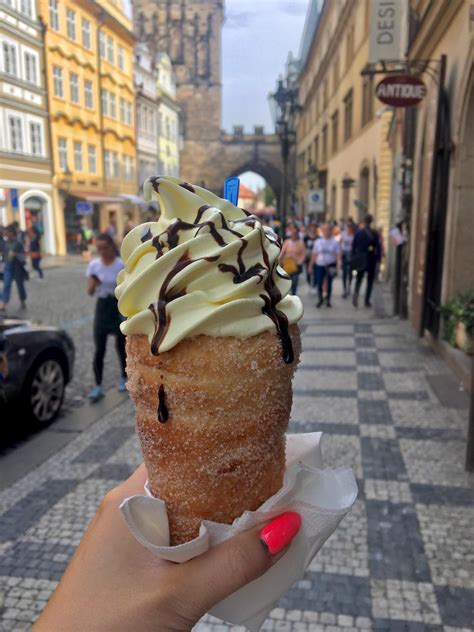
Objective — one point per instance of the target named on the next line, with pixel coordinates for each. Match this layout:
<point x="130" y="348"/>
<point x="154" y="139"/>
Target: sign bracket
<point x="403" y="66"/>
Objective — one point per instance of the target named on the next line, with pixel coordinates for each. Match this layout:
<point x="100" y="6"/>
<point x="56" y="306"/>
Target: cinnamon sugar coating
<point x="222" y="450"/>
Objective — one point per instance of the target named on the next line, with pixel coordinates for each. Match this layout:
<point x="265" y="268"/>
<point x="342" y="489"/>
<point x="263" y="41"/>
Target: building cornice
<point x="25" y="85"/>
<point x="21" y="35"/>
<point x="72" y="120"/>
<point x="56" y="48"/>
<point x="20" y="156"/>
<point x="166" y="100"/>
<point x="121" y="137"/>
<point x="434" y="22"/>
<point x="16" y="104"/>
<point x="34" y="24"/>
<point x="144" y="97"/>
<point x="14" y="167"/>
<point x="124" y="85"/>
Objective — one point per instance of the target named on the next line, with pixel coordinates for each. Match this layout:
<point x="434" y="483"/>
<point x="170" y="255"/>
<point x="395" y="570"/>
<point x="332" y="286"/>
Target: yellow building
<point x="342" y="129"/>
<point x="89" y="62"/>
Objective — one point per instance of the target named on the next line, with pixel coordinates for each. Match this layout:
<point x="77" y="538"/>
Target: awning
<point x="96" y="196"/>
<point x="134" y="199"/>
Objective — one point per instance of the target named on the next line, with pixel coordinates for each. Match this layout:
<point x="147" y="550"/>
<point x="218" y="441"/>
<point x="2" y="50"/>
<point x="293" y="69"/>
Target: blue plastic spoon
<point x="231" y="190"/>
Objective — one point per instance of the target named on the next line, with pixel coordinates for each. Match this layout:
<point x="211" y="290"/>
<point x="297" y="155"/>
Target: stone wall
<point x="190" y="32"/>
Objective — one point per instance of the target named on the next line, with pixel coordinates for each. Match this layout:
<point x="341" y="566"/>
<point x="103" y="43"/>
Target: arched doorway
<point x="257" y="195"/>
<point x="36" y="210"/>
<point x="265" y="170"/>
<point x="363" y="206"/>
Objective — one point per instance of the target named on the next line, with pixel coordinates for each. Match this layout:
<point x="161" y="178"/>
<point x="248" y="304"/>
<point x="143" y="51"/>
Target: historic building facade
<point x="189" y="31"/>
<point x="147" y="113"/>
<point x="342" y="129"/>
<point x="441" y="218"/>
<point x="89" y="64"/>
<point x="168" y="117"/>
<point x="25" y="164"/>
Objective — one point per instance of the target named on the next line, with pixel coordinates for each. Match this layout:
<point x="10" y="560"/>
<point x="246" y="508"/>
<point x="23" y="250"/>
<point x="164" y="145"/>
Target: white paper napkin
<point x="321" y="496"/>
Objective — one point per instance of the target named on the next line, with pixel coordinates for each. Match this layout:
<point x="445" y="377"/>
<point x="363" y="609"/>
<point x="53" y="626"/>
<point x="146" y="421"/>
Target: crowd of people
<point x="323" y="251"/>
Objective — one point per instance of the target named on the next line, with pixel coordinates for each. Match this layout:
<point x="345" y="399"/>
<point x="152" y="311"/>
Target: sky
<point x="256" y="39"/>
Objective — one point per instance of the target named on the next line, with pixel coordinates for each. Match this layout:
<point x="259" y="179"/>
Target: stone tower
<point x="190" y="32"/>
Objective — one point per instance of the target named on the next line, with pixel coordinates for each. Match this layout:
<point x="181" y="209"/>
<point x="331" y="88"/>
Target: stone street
<point x="401" y="561"/>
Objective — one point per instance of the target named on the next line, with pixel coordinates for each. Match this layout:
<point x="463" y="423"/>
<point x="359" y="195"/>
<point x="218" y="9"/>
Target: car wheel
<point x="45" y="390"/>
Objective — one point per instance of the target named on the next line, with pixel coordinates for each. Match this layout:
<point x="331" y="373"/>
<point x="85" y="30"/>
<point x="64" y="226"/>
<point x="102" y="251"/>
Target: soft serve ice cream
<point x="206" y="267"/>
<point x="202" y="289"/>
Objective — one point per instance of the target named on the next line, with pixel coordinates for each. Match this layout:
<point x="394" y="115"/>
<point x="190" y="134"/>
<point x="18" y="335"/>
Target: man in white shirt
<point x="326" y="253"/>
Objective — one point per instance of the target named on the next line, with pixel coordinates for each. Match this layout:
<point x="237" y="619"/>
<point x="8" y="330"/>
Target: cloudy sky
<point x="256" y="38"/>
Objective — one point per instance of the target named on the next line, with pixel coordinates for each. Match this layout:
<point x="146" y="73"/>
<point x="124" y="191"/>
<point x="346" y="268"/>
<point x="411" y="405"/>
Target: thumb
<point x="221" y="571"/>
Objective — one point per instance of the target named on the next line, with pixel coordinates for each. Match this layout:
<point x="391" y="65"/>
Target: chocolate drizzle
<point x="188" y="186"/>
<point x="163" y="412"/>
<point x="169" y="239"/>
<point x="269" y="308"/>
<point x="166" y="295"/>
<point x="242" y="274"/>
<point x="146" y="236"/>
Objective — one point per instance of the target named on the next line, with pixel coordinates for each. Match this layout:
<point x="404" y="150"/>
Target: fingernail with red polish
<point x="280" y="532"/>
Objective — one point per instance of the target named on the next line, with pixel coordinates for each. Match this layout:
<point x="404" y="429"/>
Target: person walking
<point x="347" y="237"/>
<point x="101" y="282"/>
<point x="292" y="257"/>
<point x="326" y="252"/>
<point x="309" y="240"/>
<point x="34" y="250"/>
<point x="14" y="268"/>
<point x="364" y="258"/>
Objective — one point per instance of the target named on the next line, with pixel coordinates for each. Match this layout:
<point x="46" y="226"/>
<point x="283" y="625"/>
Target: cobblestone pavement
<point x="401" y="561"/>
<point x="61" y="300"/>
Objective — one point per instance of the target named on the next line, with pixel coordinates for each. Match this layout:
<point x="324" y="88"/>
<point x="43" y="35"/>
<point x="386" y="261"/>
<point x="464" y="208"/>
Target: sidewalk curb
<point x="47" y="442"/>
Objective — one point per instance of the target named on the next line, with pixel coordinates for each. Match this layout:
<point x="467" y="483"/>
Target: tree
<point x="269" y="196"/>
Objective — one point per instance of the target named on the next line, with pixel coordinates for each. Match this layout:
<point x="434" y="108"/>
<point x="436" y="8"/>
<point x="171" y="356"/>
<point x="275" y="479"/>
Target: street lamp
<point x="283" y="107"/>
<point x="312" y="174"/>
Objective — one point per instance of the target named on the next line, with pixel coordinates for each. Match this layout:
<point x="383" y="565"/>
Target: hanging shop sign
<point x="388" y="28"/>
<point x="401" y="91"/>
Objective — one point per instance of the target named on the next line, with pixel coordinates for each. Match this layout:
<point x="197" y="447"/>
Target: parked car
<point x="36" y="363"/>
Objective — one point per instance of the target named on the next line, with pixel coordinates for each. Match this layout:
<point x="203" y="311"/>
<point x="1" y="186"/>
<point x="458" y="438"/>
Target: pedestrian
<point x="347" y="237"/>
<point x="128" y="226"/>
<point x="34" y="250"/>
<point x="14" y="268"/>
<point x="364" y="258"/>
<point x="326" y="253"/>
<point x="309" y="240"/>
<point x="19" y="233"/>
<point x="111" y="229"/>
<point x="292" y="257"/>
<point x="101" y="282"/>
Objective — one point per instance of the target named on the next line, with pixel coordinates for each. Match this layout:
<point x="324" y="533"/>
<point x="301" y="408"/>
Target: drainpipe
<point x="54" y="176"/>
<point x="99" y="98"/>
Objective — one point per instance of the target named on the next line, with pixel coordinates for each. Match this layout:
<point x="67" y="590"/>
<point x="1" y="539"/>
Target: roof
<point x="245" y="192"/>
<point x="311" y="22"/>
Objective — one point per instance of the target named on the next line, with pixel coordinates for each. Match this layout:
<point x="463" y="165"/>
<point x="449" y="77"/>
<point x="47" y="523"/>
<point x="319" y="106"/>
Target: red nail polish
<point x="281" y="531"/>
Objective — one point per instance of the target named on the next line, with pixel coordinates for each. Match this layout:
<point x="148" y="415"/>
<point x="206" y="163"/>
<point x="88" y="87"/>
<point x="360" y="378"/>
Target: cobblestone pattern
<point x="60" y="300"/>
<point x="401" y="561"/>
